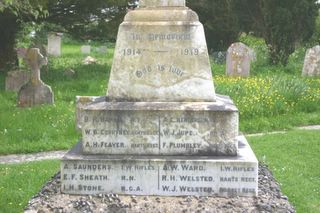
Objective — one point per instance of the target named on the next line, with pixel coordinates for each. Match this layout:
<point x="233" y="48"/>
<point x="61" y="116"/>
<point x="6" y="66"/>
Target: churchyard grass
<point x="294" y="160"/>
<point x="272" y="99"/>
<point x="26" y="130"/>
<point x="18" y="183"/>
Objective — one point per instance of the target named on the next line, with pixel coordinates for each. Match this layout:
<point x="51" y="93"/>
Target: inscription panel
<point x="204" y="178"/>
<point x="160" y="132"/>
<point x="161" y="176"/>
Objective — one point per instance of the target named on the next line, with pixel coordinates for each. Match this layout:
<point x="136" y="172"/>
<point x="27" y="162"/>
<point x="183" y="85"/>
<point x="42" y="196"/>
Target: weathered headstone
<point x="312" y="62"/>
<point x="35" y="92"/>
<point x="102" y="49"/>
<point x="86" y="49"/>
<point x="161" y="130"/>
<point x="239" y="58"/>
<point x="54" y="44"/>
<point x="16" y="79"/>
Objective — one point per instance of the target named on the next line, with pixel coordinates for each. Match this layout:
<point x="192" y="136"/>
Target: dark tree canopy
<point x="12" y="14"/>
<point x="94" y="19"/>
<point x="282" y="23"/>
<point x="219" y="22"/>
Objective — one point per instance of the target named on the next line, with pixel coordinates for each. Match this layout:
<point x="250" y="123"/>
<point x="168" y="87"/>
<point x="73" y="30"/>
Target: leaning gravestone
<point x="239" y="57"/>
<point x="103" y="49"/>
<point x="35" y="92"/>
<point x="54" y="44"/>
<point x="161" y="130"/>
<point x="86" y="49"/>
<point x="312" y="62"/>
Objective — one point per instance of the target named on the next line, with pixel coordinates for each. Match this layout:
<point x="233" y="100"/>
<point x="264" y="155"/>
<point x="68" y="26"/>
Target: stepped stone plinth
<point x="161" y="129"/>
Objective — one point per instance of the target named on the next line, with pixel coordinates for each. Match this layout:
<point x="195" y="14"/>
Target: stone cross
<point x="35" y="60"/>
<point x="162" y="3"/>
<point x="35" y="92"/>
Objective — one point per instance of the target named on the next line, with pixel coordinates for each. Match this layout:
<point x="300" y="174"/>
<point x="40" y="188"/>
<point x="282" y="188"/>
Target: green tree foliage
<point x="94" y="19"/>
<point x="219" y="21"/>
<point x="283" y="24"/>
<point x="12" y="14"/>
<point x="316" y="34"/>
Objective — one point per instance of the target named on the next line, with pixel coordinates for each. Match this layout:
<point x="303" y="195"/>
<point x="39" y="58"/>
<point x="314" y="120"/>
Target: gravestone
<point x="239" y="58"/>
<point x="16" y="79"/>
<point x="86" y="49"/>
<point x="35" y="92"/>
<point x="54" y="44"/>
<point x="312" y="62"/>
<point x="102" y="49"/>
<point x="161" y="129"/>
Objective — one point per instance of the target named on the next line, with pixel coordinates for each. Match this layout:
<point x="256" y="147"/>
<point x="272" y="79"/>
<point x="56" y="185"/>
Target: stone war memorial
<point x="161" y="129"/>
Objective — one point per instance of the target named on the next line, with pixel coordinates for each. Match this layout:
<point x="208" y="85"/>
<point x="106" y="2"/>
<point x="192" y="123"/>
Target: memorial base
<point x="159" y="128"/>
<point x="161" y="175"/>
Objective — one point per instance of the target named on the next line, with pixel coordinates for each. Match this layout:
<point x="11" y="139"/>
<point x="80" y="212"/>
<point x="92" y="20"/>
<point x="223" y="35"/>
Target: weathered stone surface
<point x="160" y="128"/>
<point x="161" y="55"/>
<point x="312" y="62"/>
<point x="102" y="49"/>
<point x="86" y="49"/>
<point x="82" y="101"/>
<point x="35" y="92"/>
<point x="162" y="3"/>
<point x="239" y="58"/>
<point x="16" y="79"/>
<point x="156" y="175"/>
<point x="54" y="44"/>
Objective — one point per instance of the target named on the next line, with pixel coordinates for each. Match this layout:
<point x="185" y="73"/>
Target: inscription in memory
<point x="159" y="37"/>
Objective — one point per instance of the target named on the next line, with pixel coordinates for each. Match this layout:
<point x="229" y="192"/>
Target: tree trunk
<point x="8" y="28"/>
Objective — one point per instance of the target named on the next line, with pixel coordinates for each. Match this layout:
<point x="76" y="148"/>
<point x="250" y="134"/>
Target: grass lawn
<point x="294" y="160"/>
<point x="47" y="128"/>
<point x="18" y="183"/>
